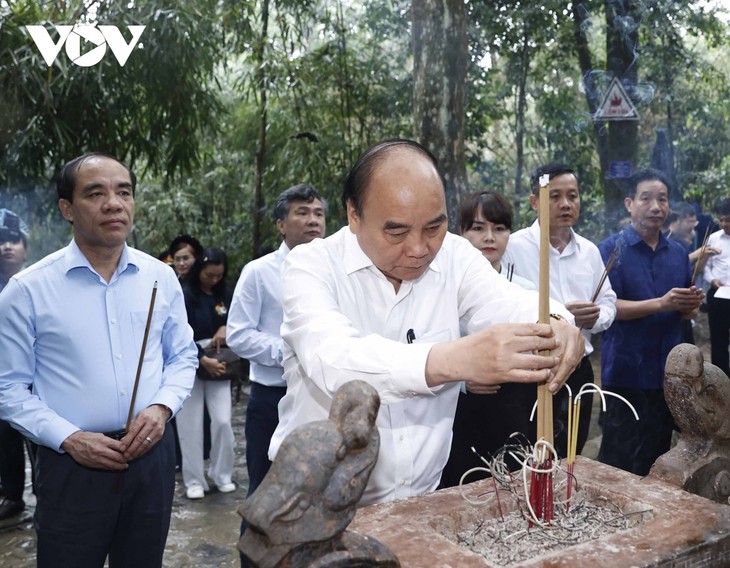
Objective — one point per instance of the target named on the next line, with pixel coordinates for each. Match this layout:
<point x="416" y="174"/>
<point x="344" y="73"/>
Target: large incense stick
<point x="141" y="355"/>
<point x="544" y="397"/>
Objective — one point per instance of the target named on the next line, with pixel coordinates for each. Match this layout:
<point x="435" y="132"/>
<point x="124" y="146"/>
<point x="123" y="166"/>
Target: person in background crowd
<point x="184" y="250"/>
<point x="486" y="416"/>
<point x="652" y="280"/>
<point x="681" y="222"/>
<point x="207" y="299"/>
<point x="181" y="255"/>
<point x="13" y="254"/>
<point x="255" y="319"/>
<point x="717" y="274"/>
<point x="72" y="328"/>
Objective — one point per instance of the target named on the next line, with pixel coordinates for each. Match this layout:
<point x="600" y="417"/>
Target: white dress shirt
<point x="254" y="320"/>
<point x="343" y="320"/>
<point x="574" y="273"/>
<point x="70" y="345"/>
<point x="718" y="266"/>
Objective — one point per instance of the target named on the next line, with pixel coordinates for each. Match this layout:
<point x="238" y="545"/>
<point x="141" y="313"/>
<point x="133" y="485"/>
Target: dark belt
<point x="116" y="435"/>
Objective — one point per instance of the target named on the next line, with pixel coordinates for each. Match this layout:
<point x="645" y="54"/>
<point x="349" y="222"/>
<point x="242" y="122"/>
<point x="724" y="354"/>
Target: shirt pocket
<point x="153" y="346"/>
<point x="438" y="336"/>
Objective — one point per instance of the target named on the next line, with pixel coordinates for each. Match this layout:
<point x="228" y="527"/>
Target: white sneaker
<point x="195" y="492"/>
<point x="227" y="487"/>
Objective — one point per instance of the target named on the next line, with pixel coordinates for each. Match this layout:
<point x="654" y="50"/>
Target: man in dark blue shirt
<point x="652" y="281"/>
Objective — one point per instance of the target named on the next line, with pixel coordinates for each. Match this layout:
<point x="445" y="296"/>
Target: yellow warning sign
<point x="616" y="104"/>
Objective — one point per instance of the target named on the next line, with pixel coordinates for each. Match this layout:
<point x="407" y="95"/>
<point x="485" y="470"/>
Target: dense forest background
<point x="225" y="103"/>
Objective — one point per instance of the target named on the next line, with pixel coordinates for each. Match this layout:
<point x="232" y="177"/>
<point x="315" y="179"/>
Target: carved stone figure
<point x="299" y="514"/>
<point x="698" y="396"/>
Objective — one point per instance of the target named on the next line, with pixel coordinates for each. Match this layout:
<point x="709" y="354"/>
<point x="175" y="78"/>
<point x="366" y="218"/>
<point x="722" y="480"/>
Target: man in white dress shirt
<point x="717" y="273"/>
<point x="383" y="300"/>
<point x="576" y="268"/>
<point x="254" y="321"/>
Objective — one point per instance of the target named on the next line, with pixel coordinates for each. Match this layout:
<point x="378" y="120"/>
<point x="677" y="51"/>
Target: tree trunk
<point x="622" y="41"/>
<point x="440" y="58"/>
<point x="520" y="117"/>
<point x="261" y="82"/>
<point x="593" y="98"/>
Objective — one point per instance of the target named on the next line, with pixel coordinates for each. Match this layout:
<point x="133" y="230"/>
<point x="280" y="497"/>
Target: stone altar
<point x="680" y="529"/>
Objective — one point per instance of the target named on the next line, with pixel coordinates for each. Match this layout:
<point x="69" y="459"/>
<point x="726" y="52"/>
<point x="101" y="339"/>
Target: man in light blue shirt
<point x="71" y="332"/>
<point x="255" y="318"/>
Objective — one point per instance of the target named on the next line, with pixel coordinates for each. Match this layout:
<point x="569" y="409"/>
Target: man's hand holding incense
<point x="585" y="313"/>
<point x="516" y="352"/>
<point x="145" y="431"/>
<point x="96" y="451"/>
<point x="570" y="351"/>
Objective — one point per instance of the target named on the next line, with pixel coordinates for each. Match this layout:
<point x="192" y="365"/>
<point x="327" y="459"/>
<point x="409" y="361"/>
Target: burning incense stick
<point x="609" y="265"/>
<point x="702" y="253"/>
<point x="141" y="354"/>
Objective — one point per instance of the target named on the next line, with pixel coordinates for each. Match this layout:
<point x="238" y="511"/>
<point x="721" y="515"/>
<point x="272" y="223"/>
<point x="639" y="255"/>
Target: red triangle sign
<point x="616" y="104"/>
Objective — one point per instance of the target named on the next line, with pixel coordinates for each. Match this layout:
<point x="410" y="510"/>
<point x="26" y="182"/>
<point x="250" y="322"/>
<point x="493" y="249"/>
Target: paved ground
<point x="204" y="533"/>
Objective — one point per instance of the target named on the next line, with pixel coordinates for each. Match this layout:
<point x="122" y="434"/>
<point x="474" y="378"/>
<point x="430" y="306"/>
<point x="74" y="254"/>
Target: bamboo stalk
<point x="141" y="355"/>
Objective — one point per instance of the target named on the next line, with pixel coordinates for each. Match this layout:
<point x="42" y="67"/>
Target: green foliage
<point x="331" y="93"/>
<point x="185" y="109"/>
<point x="149" y="112"/>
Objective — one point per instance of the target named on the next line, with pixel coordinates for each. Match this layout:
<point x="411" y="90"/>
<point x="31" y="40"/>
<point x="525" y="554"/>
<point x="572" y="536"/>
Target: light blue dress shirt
<point x="254" y="319"/>
<point x="70" y="345"/>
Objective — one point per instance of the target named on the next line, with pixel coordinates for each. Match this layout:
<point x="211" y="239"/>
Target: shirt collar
<point x="75" y="258"/>
<point x="355" y="258"/>
<point x="284" y="249"/>
<point x="632" y="238"/>
<point x="572" y="245"/>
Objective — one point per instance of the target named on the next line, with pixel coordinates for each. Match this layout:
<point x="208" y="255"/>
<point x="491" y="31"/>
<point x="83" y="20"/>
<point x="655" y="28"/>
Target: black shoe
<point x="10" y="508"/>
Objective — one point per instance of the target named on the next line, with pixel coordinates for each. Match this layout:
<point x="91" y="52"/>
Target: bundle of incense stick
<point x="573" y="422"/>
<point x="609" y="265"/>
<point x="702" y="253"/>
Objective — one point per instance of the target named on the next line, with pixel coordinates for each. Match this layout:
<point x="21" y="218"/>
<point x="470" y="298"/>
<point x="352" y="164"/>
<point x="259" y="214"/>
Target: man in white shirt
<point x="383" y="299"/>
<point x="717" y="273"/>
<point x="576" y="268"/>
<point x="252" y="331"/>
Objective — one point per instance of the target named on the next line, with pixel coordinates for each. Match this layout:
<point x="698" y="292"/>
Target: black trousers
<point x="83" y="514"/>
<point x="12" y="462"/>
<point x="262" y="418"/>
<point x="718" y="317"/>
<point x="630" y="445"/>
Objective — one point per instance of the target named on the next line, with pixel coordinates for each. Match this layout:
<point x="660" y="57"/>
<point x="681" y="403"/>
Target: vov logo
<point x="100" y="36"/>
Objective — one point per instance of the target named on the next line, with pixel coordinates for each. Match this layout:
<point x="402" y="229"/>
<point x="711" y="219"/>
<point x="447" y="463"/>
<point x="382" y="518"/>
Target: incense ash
<point x="508" y="541"/>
